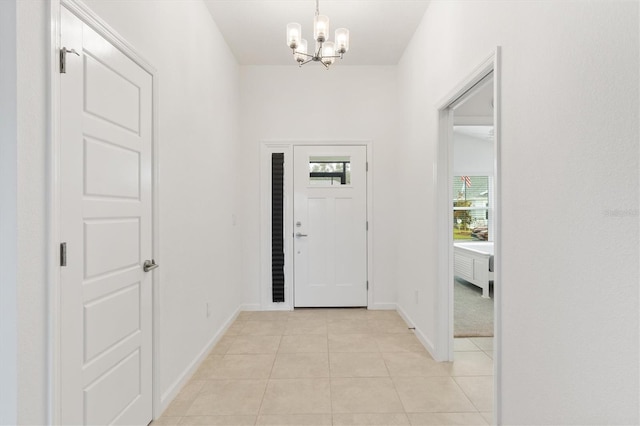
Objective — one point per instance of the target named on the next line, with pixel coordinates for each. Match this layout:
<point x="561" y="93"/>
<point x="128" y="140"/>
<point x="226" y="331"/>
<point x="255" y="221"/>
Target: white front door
<point x="106" y="223"/>
<point x="330" y="226"/>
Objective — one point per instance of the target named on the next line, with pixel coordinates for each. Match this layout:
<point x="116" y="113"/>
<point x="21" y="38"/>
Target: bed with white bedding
<point x="473" y="262"/>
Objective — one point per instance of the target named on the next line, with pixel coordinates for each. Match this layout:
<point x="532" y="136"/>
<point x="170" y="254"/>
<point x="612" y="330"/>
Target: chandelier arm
<point x="334" y="56"/>
<point x="317" y="7"/>
<point x="302" y="53"/>
<point x="300" y="64"/>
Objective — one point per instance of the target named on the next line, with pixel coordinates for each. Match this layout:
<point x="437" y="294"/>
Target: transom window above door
<point x="329" y="171"/>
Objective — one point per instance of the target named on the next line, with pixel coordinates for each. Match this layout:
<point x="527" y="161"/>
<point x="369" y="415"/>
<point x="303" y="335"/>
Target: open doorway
<point x="468" y="182"/>
<point x="472" y="175"/>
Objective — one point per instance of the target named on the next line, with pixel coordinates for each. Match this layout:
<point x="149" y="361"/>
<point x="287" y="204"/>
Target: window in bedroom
<point x="471" y="208"/>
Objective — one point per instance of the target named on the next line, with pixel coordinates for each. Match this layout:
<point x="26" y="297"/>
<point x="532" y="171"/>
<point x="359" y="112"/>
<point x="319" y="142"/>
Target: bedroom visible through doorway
<point x="473" y="197"/>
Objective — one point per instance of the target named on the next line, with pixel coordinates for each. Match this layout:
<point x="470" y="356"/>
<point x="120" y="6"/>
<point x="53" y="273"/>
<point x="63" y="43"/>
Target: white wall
<point x="198" y="123"/>
<point x="286" y="103"/>
<point x="570" y="136"/>
<point x="198" y="115"/>
<point x="8" y="216"/>
<point x="32" y="178"/>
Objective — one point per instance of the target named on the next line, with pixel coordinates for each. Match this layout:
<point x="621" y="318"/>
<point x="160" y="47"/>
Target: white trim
<point x="155" y="248"/>
<point x="85" y="14"/>
<point x="371" y="223"/>
<point x="173" y="390"/>
<point x="428" y="344"/>
<point x="256" y="307"/>
<point x="53" y="221"/>
<point x="444" y="348"/>
<point x="8" y="213"/>
<point x="466" y="94"/>
<point x="480" y="72"/>
<point x="389" y="306"/>
<point x="286" y="146"/>
<point x="497" y="237"/>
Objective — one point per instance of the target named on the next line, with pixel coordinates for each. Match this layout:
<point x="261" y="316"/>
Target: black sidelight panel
<point x="277" y="227"/>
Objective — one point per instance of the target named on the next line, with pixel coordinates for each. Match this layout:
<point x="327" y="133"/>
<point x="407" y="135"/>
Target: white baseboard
<point x="286" y="307"/>
<point x="177" y="385"/>
<point x="273" y="307"/>
<point x="428" y="345"/>
<point x="383" y="307"/>
<point x="250" y="307"/>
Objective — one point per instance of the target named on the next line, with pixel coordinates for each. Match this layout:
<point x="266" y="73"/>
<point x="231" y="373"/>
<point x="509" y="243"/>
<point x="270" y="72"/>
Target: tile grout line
<point x="330" y="378"/>
<point x="393" y="383"/>
<point x="404" y="408"/>
<point x="266" y="386"/>
<point x="465" y="393"/>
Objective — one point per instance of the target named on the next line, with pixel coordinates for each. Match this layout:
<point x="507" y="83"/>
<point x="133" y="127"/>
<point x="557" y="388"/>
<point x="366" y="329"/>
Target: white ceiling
<point x="484" y="133"/>
<point x="379" y="29"/>
<point x="477" y="108"/>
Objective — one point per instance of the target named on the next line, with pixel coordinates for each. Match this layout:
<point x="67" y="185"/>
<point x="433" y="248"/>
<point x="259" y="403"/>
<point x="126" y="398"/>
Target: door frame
<point x="89" y="17"/>
<point x="444" y="188"/>
<point x="266" y="149"/>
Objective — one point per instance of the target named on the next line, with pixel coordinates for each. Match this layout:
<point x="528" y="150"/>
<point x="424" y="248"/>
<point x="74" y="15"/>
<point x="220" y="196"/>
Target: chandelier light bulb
<point x="342" y="40"/>
<point x="328" y="53"/>
<point x="321" y="28"/>
<point x="294" y="34"/>
<point x="301" y="52"/>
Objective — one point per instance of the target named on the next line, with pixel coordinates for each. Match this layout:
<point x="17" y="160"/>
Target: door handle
<point x="298" y="234"/>
<point x="149" y="265"/>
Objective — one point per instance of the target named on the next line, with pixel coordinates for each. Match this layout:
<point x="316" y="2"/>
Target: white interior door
<point x="106" y="222"/>
<point x="330" y="226"/>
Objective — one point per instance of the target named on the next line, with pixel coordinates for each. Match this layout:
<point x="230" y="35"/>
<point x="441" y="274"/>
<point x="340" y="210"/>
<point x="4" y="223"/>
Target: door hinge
<point x="367" y="225"/>
<point x="63" y="58"/>
<point x="366" y="166"/>
<point x="63" y="61"/>
<point x="63" y="254"/>
<point x="367" y="284"/>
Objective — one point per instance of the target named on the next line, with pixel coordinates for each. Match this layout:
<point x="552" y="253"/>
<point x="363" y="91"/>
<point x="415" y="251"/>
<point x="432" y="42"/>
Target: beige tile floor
<point x="334" y="367"/>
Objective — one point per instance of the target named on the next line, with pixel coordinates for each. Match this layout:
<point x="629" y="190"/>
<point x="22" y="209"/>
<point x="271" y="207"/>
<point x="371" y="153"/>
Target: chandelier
<point x="325" y="51"/>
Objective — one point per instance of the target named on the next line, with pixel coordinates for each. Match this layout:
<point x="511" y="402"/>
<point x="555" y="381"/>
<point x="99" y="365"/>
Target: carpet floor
<point x="473" y="314"/>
